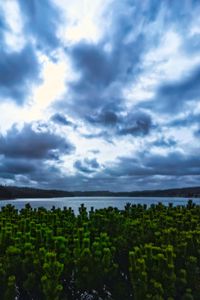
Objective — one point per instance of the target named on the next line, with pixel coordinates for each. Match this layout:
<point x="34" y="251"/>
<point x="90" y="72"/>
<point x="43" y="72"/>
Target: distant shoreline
<point x="12" y="192"/>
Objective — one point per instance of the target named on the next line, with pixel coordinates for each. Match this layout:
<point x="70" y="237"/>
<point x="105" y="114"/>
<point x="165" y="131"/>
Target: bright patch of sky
<point x="83" y="20"/>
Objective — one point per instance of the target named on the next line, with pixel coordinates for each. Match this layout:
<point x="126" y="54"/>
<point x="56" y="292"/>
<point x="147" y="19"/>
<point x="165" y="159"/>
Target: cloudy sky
<point x="100" y="95"/>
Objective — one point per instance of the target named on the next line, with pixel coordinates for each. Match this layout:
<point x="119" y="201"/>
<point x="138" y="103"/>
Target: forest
<point x="136" y="253"/>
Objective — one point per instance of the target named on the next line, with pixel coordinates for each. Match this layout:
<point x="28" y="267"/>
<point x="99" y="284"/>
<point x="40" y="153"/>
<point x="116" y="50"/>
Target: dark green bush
<point x="137" y="253"/>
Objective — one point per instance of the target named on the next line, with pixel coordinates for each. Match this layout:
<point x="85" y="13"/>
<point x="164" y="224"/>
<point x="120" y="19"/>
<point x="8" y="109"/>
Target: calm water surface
<point x="96" y="202"/>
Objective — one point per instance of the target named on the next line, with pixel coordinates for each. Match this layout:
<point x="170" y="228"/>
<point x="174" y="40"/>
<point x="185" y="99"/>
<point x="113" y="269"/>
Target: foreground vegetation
<point x="136" y="253"/>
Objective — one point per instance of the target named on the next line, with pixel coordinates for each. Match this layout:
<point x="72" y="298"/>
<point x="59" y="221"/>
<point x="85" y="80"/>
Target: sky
<point x="100" y="95"/>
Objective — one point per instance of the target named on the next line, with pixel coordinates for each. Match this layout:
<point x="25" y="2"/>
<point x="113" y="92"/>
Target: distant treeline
<point x="12" y="192"/>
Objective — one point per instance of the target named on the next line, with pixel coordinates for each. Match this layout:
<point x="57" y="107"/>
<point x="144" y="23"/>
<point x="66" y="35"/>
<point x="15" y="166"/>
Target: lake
<point x="96" y="202"/>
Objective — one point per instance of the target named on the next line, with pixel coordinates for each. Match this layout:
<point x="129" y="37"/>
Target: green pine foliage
<point x="137" y="253"/>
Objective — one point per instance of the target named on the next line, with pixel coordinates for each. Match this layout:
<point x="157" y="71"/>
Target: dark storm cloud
<point x="100" y="67"/>
<point x="19" y="70"/>
<point x="174" y="163"/>
<point x="87" y="165"/>
<point x="30" y="144"/>
<point x="165" y="143"/>
<point x="61" y="120"/>
<point x="94" y="64"/>
<point x="12" y="166"/>
<point x="107" y="118"/>
<point x="146" y="164"/>
<point x="116" y="58"/>
<point x="104" y="69"/>
<point x="103" y="73"/>
<point x="135" y="123"/>
<point x="30" y="171"/>
<point x="30" y="152"/>
<point x="41" y="19"/>
<point x="47" y="175"/>
<point x="171" y="97"/>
